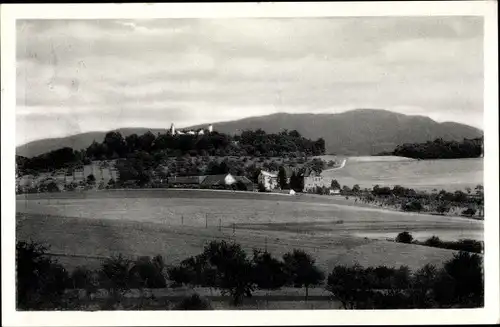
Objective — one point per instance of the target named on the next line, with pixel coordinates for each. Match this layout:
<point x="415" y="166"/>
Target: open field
<point x="83" y="231"/>
<point x="77" y="241"/>
<point x="450" y="174"/>
<point x="306" y="214"/>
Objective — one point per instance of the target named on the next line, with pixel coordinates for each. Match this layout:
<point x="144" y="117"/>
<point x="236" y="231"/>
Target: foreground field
<point x="84" y="231"/>
<point x="76" y="241"/>
<point x="303" y="214"/>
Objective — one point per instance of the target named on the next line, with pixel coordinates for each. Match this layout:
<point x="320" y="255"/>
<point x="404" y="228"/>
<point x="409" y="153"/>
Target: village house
<point x="185" y="180"/>
<point x="313" y="180"/>
<point x="268" y="180"/>
<point x="212" y="181"/>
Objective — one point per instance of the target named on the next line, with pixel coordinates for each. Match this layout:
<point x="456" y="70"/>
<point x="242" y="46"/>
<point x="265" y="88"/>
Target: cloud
<point x="82" y="75"/>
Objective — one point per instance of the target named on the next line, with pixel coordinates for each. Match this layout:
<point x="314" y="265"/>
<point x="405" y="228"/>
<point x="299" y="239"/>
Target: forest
<point x="114" y="146"/>
<point x="440" y="149"/>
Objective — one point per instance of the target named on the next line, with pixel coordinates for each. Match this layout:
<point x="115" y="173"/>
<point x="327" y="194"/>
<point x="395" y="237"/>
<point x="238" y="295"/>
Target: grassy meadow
<point x="83" y="230"/>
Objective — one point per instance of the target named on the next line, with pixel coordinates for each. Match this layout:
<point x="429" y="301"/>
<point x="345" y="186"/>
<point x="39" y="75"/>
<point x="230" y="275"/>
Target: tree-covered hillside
<point x="114" y="146"/>
<point x="355" y="132"/>
<point x="441" y="149"/>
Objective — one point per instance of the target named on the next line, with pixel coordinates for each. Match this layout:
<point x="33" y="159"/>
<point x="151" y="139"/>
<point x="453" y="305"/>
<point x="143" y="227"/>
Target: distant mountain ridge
<point x="355" y="132"/>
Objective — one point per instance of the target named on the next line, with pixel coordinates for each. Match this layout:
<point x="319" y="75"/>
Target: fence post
<point x="265" y="244"/>
<point x="182" y="220"/>
<point x="220" y="224"/>
<point x="233" y="228"/>
<point x="206" y="220"/>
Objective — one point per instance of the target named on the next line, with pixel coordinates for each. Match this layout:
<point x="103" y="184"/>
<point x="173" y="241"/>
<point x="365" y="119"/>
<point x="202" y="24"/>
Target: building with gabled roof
<point x="268" y="180"/>
<point x="186" y="180"/>
<point x="218" y="180"/>
<point x="211" y="181"/>
<point x="249" y="186"/>
<point x="312" y="180"/>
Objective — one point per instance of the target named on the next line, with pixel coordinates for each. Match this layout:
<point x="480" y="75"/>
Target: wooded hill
<point x="115" y="146"/>
<point x="356" y="132"/>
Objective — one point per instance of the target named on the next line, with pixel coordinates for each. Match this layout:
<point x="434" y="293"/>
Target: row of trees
<point x="41" y="282"/>
<point x="441" y="149"/>
<point x="252" y="143"/>
<point x="467" y="245"/>
<point x="114" y="146"/>
<point x="469" y="203"/>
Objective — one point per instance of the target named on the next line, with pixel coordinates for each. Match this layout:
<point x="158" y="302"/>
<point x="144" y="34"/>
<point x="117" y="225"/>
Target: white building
<point x="269" y="180"/>
<point x="172" y="129"/>
<point x="210" y="128"/>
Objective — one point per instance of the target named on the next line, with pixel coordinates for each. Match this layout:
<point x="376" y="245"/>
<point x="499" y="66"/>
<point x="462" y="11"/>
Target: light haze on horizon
<point x="76" y="76"/>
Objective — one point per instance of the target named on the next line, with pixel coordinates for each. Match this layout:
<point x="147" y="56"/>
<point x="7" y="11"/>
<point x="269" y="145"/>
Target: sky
<point x="76" y="76"/>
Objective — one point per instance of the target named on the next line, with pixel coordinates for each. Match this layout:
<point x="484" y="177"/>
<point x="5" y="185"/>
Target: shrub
<point x="380" y="277"/>
<point x="40" y="281"/>
<point x="462" y="245"/>
<point x="469" y="212"/>
<point x="433" y="241"/>
<point x="91" y="179"/>
<point x="469" y="245"/>
<point x="443" y="208"/>
<point x="80" y="277"/>
<point x="193" y="302"/>
<point x="148" y="273"/>
<point x="115" y="275"/>
<point x="401" y="278"/>
<point x="180" y="275"/>
<point x="413" y="206"/>
<point x="240" y="186"/>
<point x="466" y="271"/>
<point x="404" y="237"/>
<point x="423" y="281"/>
<point x="83" y="278"/>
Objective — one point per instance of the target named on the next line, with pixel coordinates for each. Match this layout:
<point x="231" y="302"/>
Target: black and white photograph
<point x="326" y="163"/>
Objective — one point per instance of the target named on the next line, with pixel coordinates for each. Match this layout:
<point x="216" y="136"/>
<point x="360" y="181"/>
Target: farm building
<point x="269" y="180"/>
<point x="211" y="181"/>
<point x="186" y="180"/>
<point x="313" y="180"/>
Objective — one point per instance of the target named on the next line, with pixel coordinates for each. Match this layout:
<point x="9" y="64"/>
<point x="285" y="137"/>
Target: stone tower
<point x="172" y="129"/>
<point x="210" y="128"/>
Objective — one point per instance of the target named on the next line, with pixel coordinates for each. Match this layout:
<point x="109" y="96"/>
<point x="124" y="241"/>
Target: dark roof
<point x="243" y="179"/>
<point x="309" y="172"/>
<point x="186" y="179"/>
<point x="214" y="180"/>
<point x="290" y="170"/>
